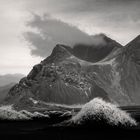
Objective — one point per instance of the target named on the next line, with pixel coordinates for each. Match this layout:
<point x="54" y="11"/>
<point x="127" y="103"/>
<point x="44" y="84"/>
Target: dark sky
<point x="118" y="19"/>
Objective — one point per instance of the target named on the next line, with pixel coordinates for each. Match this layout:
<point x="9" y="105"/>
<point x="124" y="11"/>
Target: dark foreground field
<point x="40" y="127"/>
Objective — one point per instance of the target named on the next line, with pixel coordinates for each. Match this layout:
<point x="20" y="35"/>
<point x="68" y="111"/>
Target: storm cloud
<point x="52" y="31"/>
<point x="120" y="19"/>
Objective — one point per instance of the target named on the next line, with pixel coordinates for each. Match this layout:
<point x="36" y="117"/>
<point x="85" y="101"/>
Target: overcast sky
<point x="73" y="19"/>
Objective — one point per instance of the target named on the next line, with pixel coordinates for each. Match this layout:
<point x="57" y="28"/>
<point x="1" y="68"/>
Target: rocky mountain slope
<point x="119" y="74"/>
<point x="65" y="78"/>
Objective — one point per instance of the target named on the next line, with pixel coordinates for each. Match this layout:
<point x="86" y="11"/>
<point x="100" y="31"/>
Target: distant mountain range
<point x="77" y="75"/>
<point x="4" y="91"/>
<point x="10" y="78"/>
<point x="7" y="82"/>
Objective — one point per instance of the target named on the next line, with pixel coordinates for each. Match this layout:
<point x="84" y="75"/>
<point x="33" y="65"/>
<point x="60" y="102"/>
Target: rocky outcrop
<point x="60" y="79"/>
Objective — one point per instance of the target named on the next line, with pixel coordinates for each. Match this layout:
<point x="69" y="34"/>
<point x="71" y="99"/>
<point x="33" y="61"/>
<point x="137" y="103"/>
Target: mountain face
<point x="94" y="53"/>
<point x="119" y="74"/>
<point x="10" y="78"/>
<point x="65" y="78"/>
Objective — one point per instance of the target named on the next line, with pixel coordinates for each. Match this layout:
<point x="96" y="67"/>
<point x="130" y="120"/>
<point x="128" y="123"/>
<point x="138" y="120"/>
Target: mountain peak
<point x="135" y="41"/>
<point x="132" y="49"/>
<point x="96" y="52"/>
<point x="59" y="53"/>
<point x="134" y="44"/>
<point x="137" y="38"/>
<point x="101" y="35"/>
<point x="106" y="39"/>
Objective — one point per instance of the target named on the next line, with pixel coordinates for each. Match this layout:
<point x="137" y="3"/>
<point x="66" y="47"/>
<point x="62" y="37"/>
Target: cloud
<point x="52" y="31"/>
<point x="117" y="18"/>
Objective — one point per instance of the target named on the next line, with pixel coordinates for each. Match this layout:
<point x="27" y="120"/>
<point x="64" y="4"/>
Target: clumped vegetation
<point x="98" y="110"/>
<point x="7" y="113"/>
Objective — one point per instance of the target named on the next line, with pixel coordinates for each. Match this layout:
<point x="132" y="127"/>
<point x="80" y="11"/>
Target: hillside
<point x="64" y="78"/>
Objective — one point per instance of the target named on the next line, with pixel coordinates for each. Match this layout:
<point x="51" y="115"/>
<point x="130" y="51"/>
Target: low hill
<point x="4" y="90"/>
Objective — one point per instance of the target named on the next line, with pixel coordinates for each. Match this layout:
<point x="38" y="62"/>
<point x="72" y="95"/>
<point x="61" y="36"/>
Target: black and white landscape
<point x="79" y="79"/>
